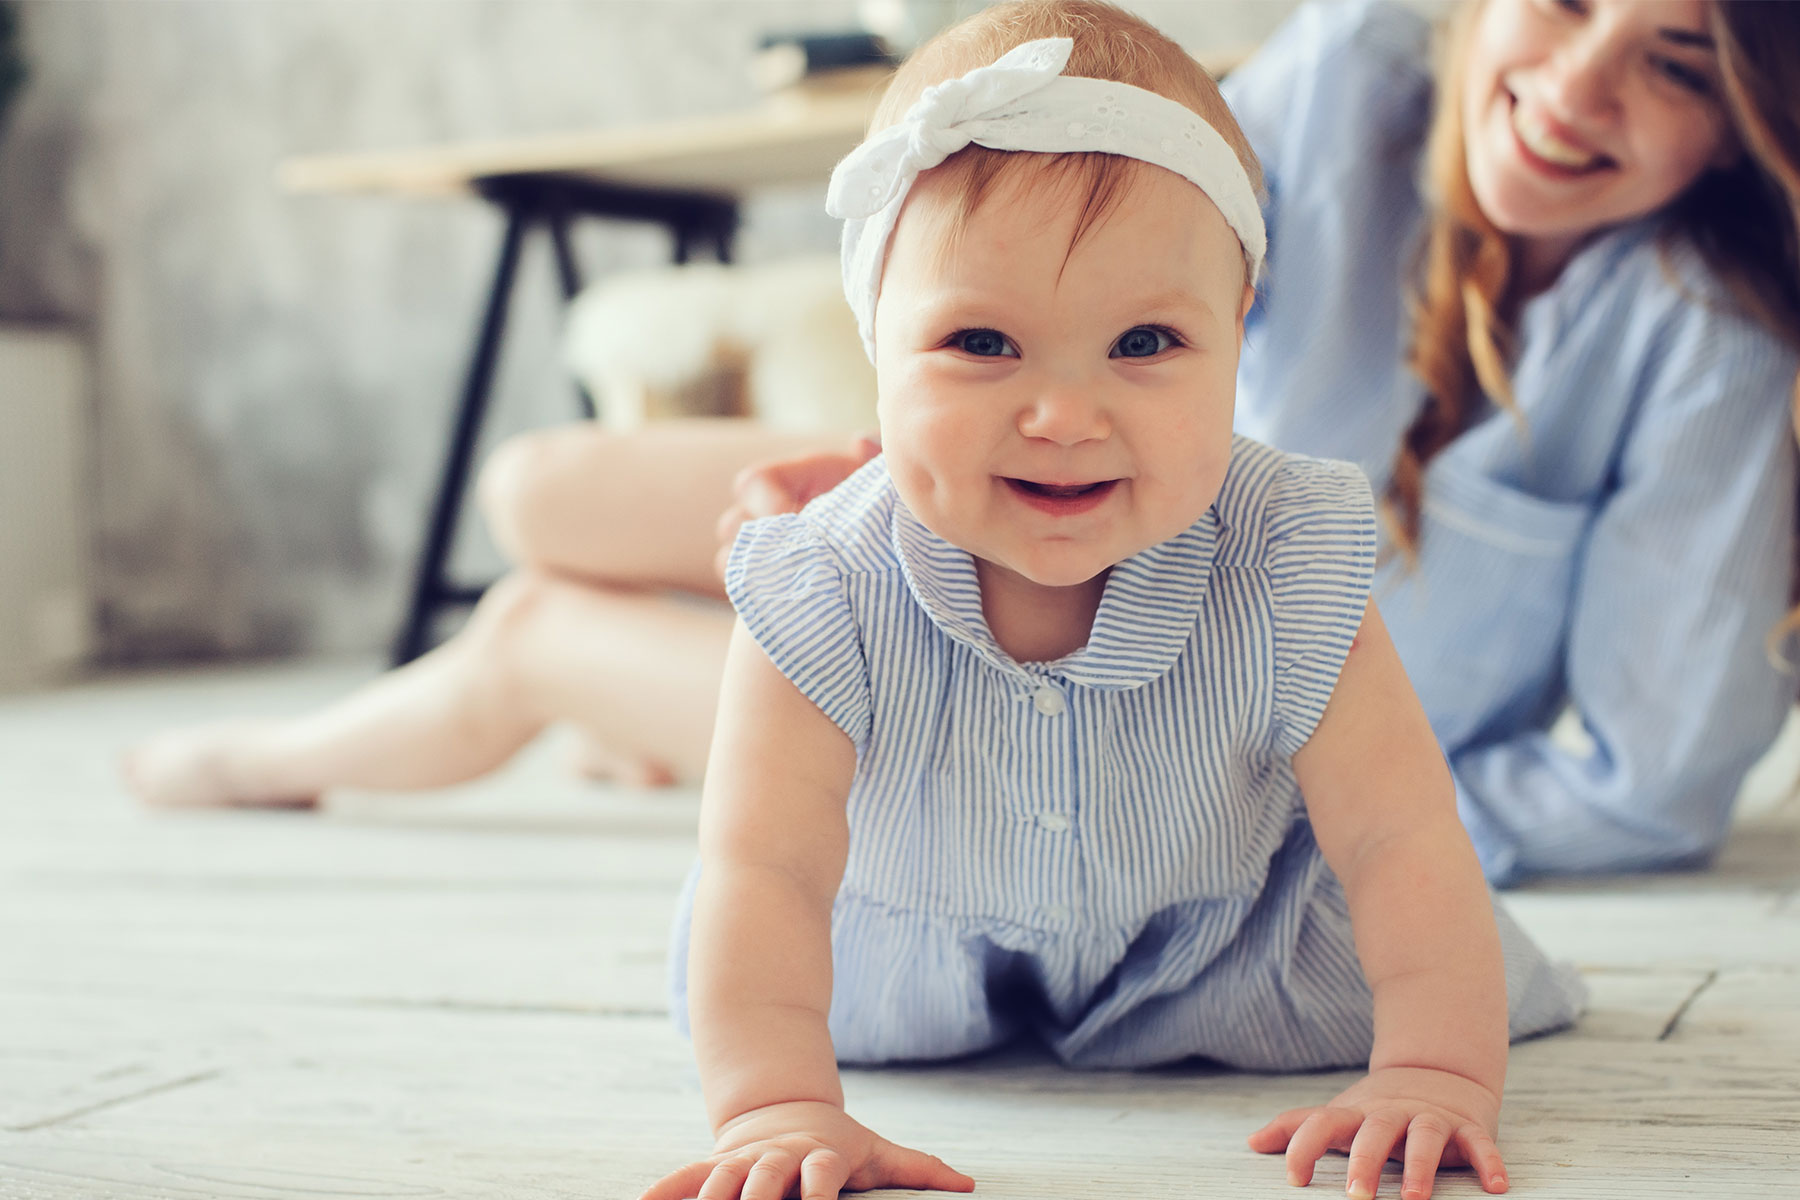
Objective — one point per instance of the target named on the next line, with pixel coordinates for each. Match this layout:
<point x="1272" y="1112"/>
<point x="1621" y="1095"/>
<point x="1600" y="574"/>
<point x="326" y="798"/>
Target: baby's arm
<point x="1383" y="809"/>
<point x="773" y="840"/>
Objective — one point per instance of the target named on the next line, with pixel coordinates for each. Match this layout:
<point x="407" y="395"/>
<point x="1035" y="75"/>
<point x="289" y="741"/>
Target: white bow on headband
<point x="1024" y="102"/>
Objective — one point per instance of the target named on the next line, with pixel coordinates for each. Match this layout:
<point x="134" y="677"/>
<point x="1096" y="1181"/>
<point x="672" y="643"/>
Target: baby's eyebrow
<point x="1175" y="297"/>
<point x="963" y="303"/>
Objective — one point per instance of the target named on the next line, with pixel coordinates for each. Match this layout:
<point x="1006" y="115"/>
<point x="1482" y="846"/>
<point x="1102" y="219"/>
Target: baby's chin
<point x="1053" y="570"/>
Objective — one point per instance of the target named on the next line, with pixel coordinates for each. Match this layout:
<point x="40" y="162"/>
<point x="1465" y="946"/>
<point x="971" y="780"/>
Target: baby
<point x="1069" y="714"/>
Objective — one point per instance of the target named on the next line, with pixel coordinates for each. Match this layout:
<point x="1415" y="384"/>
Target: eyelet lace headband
<point x="1024" y="102"/>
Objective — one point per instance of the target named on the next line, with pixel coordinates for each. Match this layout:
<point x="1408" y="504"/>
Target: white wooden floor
<point x="461" y="995"/>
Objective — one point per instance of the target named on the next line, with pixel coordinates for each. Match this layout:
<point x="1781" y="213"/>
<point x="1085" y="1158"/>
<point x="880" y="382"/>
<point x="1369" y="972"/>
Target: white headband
<point x="1024" y="102"/>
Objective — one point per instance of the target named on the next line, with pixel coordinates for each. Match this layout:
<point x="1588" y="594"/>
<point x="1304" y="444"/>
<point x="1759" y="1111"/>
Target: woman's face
<point x="1581" y="114"/>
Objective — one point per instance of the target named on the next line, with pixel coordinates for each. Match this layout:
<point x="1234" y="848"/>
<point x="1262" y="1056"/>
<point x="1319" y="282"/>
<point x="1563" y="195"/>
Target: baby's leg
<point x="640" y="667"/>
<point x="634" y="508"/>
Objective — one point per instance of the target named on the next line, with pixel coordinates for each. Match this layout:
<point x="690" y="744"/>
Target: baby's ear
<point x="1244" y="307"/>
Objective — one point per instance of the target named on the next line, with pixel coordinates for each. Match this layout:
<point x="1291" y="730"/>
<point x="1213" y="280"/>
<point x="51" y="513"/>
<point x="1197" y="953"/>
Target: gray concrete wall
<point x="273" y="373"/>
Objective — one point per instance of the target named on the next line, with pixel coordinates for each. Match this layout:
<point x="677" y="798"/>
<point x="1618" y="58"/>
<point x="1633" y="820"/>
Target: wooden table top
<point x="792" y="137"/>
<point x="795" y="136"/>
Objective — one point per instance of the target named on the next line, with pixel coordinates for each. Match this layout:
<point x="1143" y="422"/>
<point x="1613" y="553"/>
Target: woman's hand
<point x="807" y="1148"/>
<point x="784" y="486"/>
<point x="1441" y="1119"/>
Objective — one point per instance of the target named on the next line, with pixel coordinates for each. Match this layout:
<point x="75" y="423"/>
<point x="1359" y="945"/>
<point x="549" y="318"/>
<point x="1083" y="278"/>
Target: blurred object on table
<point x="820" y="60"/>
<point x="774" y="342"/>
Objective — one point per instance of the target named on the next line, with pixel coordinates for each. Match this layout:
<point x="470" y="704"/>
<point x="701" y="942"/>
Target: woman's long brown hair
<point x="1744" y="220"/>
<point x="1759" y="59"/>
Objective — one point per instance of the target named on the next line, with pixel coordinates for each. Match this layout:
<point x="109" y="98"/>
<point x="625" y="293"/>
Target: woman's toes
<point x="193" y="768"/>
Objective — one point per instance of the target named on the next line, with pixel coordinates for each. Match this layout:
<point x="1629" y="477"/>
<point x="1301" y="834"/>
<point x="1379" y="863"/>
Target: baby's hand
<point x="763" y="1154"/>
<point x="1442" y="1118"/>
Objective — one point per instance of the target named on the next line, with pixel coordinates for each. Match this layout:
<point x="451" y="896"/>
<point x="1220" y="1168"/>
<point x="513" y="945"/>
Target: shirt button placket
<point x="1049" y="702"/>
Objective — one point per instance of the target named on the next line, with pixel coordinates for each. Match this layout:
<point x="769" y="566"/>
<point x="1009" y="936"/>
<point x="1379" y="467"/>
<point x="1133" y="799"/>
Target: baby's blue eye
<point x="984" y="343"/>
<point x="1146" y="341"/>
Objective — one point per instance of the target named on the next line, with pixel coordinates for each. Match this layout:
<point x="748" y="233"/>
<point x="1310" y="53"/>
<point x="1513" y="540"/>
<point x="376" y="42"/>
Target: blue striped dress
<point x="1108" y="851"/>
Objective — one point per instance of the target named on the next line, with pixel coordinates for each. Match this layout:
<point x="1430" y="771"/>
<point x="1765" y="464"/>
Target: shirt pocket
<point x="1481" y="618"/>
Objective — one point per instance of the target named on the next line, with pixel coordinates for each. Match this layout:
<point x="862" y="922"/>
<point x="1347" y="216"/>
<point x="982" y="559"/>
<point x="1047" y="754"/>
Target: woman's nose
<point x="1580" y="81"/>
<point x="1066" y="414"/>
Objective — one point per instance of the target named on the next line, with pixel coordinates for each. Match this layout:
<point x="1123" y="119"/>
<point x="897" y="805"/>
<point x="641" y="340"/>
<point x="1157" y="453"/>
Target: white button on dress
<point x="1055" y="822"/>
<point x="1048" y="701"/>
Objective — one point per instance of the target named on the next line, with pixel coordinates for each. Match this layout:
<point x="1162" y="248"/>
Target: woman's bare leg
<point x="637" y="509"/>
<point x="642" y="668"/>
<point x="594" y="518"/>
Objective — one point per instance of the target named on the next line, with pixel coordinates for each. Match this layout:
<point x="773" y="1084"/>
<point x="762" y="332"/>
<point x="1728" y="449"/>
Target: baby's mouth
<point x="1059" y="491"/>
<point x="1061" y="499"/>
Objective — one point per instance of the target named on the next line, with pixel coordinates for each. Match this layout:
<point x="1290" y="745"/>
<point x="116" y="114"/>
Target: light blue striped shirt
<point x="1625" y="554"/>
<point x="1109" y="850"/>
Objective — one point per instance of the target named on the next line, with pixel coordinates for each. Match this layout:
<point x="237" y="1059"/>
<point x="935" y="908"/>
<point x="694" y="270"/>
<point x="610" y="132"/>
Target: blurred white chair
<point x="775" y="343"/>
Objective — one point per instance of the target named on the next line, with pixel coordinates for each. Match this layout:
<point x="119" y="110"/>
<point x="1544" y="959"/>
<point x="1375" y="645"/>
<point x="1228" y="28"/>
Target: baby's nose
<point x="1066" y="415"/>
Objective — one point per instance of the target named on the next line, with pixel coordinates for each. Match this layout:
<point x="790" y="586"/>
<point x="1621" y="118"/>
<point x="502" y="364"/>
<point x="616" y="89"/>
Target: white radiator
<point x="45" y="605"/>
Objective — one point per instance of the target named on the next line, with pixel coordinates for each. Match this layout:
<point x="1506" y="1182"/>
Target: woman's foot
<point x="593" y="759"/>
<point x="203" y="768"/>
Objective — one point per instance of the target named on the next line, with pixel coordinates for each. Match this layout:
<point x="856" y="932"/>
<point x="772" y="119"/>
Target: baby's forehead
<point x="1158" y="224"/>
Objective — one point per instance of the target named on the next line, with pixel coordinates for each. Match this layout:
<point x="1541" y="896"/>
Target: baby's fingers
<point x="679" y="1185"/>
<point x="1426" y="1138"/>
<point x="773" y="1173"/>
<point x="727" y="1179"/>
<point x="1326" y="1129"/>
<point x="1370" y="1150"/>
<point x="822" y="1175"/>
<point x="899" y="1167"/>
<point x="1273" y="1138"/>
<point x="1483" y="1157"/>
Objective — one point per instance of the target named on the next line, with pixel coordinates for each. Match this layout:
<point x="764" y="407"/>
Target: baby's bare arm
<point x="1382" y="806"/>
<point x="773" y="839"/>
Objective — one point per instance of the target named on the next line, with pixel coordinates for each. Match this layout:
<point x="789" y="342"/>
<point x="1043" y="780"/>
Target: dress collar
<point x="1145" y="619"/>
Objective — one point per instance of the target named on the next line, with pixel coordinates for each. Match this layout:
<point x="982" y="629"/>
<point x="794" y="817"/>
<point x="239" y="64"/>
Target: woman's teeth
<point x="1546" y="145"/>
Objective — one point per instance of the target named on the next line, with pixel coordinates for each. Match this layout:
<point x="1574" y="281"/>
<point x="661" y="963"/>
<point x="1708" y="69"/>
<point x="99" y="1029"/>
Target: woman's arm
<point x="1381" y="804"/>
<point x="1681" y="578"/>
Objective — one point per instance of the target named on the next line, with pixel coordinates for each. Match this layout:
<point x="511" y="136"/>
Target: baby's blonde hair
<point x="1110" y="44"/>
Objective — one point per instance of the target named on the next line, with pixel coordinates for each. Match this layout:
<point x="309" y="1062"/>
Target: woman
<point x="1545" y="297"/>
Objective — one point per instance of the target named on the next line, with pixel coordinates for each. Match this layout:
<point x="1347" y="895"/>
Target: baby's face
<point x="1054" y="418"/>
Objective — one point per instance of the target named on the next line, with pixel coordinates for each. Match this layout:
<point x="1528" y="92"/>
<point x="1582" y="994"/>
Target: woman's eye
<point x="1146" y="341"/>
<point x="1683" y="76"/>
<point x="984" y="343"/>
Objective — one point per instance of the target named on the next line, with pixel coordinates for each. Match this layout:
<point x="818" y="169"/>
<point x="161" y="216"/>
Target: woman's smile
<point x="1552" y="148"/>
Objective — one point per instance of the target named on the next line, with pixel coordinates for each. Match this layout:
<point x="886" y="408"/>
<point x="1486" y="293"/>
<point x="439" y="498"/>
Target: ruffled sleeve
<point x="789" y="589"/>
<point x="1319" y="530"/>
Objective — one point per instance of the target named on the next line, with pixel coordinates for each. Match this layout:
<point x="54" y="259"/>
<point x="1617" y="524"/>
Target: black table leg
<point x="693" y="218"/>
<point x="569" y="275"/>
<point x="429" y="584"/>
